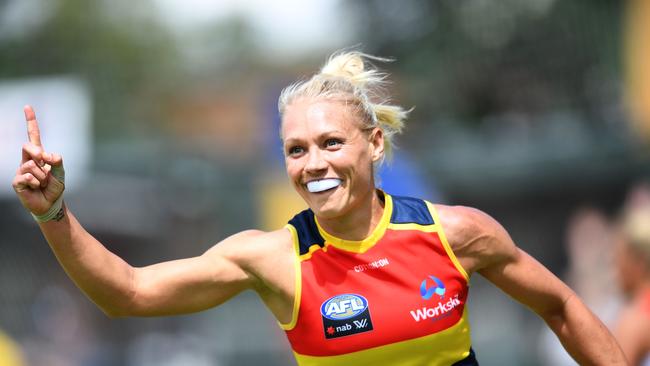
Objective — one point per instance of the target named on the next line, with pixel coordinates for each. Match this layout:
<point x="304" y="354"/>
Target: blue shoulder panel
<point x="407" y="210"/>
<point x="307" y="230"/>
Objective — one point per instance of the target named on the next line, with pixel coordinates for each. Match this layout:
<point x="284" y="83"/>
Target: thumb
<point x="56" y="163"/>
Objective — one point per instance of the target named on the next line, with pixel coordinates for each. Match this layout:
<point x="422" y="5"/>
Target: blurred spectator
<point x="633" y="265"/>
<point x="590" y="272"/>
<point x="639" y="196"/>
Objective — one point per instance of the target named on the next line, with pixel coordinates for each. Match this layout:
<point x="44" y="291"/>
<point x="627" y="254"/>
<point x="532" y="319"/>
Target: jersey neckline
<point x="361" y="246"/>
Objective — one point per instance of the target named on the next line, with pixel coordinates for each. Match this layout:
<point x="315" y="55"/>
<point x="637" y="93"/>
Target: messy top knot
<point x="348" y="76"/>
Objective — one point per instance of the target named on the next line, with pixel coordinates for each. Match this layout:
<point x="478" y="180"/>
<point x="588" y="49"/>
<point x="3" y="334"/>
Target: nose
<point x="315" y="161"/>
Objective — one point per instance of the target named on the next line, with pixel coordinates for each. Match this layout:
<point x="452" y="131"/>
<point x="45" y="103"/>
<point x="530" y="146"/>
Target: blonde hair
<point x="635" y="228"/>
<point x="348" y="76"/>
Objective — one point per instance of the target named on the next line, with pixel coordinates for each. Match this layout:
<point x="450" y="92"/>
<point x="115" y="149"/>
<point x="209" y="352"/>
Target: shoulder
<point x="262" y="255"/>
<point x="477" y="239"/>
<point x="249" y="244"/>
<point x="249" y="247"/>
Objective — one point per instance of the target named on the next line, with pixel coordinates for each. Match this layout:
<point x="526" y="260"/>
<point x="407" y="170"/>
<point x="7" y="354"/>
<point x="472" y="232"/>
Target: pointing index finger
<point x="33" y="132"/>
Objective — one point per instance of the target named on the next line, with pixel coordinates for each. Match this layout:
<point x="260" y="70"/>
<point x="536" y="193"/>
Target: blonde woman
<point x="633" y="264"/>
<point x="361" y="277"/>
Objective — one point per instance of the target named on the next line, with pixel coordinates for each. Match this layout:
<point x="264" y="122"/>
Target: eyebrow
<point x="326" y="133"/>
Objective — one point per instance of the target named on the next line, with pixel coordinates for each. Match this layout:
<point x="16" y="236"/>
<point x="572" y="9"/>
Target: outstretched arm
<point x="174" y="287"/>
<point x="484" y="246"/>
<point x="119" y="289"/>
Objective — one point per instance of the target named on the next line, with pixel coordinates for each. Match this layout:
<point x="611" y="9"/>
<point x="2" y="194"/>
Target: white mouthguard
<point x="323" y="184"/>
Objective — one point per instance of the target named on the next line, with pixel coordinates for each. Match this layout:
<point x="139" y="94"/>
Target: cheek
<point x="293" y="170"/>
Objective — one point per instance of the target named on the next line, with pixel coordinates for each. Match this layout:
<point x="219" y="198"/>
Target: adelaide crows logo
<point x="427" y="292"/>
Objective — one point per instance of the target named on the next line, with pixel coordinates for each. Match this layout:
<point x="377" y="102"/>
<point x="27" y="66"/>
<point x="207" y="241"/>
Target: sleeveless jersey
<point x="396" y="298"/>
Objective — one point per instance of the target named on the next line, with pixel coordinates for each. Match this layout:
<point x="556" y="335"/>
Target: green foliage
<point x="470" y="59"/>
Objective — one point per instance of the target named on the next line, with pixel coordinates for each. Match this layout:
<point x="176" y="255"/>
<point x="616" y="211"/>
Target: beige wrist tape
<point x="56" y="211"/>
<point x="52" y="213"/>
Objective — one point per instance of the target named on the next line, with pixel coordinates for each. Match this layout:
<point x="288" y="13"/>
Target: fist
<point x="40" y="178"/>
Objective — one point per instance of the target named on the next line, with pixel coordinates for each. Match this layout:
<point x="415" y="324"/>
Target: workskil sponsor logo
<point x="437" y="288"/>
<point x="442" y="308"/>
<point x="344" y="315"/>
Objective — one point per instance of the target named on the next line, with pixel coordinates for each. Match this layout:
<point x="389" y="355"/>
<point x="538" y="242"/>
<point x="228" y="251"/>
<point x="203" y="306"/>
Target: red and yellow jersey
<point x="396" y="298"/>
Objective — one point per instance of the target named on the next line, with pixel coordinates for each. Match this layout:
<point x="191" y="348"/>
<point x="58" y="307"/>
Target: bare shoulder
<point x="266" y="257"/>
<point x="248" y="245"/>
<point x="476" y="238"/>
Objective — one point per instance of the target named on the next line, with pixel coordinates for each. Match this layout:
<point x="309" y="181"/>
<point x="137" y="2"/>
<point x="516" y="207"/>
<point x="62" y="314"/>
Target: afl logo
<point x="343" y="306"/>
<point x="438" y="289"/>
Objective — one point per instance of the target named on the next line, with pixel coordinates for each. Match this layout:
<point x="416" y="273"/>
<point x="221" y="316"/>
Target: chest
<point x="404" y="287"/>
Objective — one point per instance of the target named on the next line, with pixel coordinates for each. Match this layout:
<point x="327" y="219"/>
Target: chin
<point x="331" y="208"/>
<point x="326" y="211"/>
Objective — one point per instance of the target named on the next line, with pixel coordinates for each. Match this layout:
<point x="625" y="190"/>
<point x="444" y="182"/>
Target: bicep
<point x="191" y="284"/>
<point x="484" y="246"/>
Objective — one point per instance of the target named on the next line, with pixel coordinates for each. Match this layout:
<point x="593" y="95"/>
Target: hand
<point x="39" y="180"/>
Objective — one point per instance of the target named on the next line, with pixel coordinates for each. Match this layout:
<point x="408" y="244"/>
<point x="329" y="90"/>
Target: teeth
<point x="322" y="185"/>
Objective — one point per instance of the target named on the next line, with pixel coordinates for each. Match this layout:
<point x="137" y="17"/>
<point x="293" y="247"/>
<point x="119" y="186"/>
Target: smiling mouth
<point x="322" y="185"/>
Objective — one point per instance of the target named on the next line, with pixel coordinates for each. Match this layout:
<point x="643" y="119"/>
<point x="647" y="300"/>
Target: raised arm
<point x="174" y="287"/>
<point x="483" y="245"/>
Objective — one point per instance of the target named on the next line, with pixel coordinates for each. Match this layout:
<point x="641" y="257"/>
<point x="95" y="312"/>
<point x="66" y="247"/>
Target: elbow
<point x="115" y="312"/>
<point x="111" y="314"/>
<point x="123" y="304"/>
<point x="556" y="314"/>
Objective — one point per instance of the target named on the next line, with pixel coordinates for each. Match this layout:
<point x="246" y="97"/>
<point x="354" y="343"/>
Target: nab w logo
<point x="438" y="288"/>
<point x="360" y="324"/>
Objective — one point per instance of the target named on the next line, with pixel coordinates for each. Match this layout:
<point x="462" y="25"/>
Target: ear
<point x="377" y="144"/>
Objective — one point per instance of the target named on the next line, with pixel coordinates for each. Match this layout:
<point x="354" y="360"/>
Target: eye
<point x="330" y="143"/>
<point x="295" y="150"/>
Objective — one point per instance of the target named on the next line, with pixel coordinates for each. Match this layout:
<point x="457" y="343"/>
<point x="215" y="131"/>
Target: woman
<point x="633" y="265"/>
<point x="361" y="277"/>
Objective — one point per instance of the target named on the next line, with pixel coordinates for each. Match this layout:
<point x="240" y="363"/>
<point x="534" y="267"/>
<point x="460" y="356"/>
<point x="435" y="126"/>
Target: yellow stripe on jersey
<point x="418" y="227"/>
<point x="298" y="281"/>
<point x="361" y="246"/>
<point x="445" y="243"/>
<point x="312" y="249"/>
<point x="442" y="349"/>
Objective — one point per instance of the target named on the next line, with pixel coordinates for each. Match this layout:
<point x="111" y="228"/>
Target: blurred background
<point x="535" y="111"/>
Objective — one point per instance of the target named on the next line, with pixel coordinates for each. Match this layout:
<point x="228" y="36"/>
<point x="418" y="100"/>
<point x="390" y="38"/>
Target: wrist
<point x="56" y="212"/>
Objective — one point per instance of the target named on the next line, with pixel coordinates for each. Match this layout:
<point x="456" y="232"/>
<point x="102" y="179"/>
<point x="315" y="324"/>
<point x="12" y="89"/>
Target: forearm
<point x="103" y="276"/>
<point x="583" y="335"/>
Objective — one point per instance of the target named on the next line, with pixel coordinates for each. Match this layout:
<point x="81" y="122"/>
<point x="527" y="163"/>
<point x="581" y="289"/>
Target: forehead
<point x="317" y="116"/>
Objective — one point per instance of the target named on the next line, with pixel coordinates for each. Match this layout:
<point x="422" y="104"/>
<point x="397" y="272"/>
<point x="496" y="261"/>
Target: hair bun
<point x="351" y="76"/>
<point x="346" y="65"/>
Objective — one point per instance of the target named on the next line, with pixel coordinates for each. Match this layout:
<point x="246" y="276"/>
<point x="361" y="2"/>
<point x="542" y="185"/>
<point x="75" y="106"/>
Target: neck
<point x="360" y="222"/>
